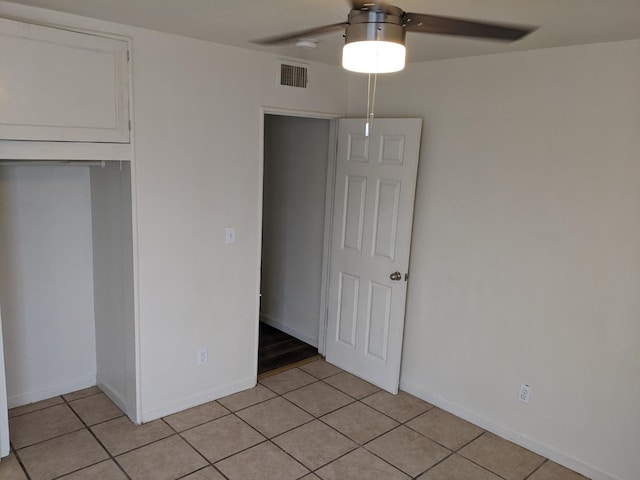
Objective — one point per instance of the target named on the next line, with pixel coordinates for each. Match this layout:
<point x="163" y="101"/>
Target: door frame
<point x="328" y="214"/>
<point x="4" y="408"/>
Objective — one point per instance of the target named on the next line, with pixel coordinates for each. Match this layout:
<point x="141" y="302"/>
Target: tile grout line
<point x="179" y="434"/>
<point x="473" y="461"/>
<point x="451" y="454"/>
<point x="312" y="383"/>
<point x="314" y="418"/>
<point x="315" y="380"/>
<point x="536" y="469"/>
<point x="395" y="466"/>
<point x="201" y="470"/>
<point x="455" y="452"/>
<point x="40" y="442"/>
<point x="84" y="427"/>
<point x="231" y="413"/>
<point x="358" y="443"/>
<point x="291" y="456"/>
<point x="545" y="460"/>
<point x="355" y="400"/>
<point x="296" y="364"/>
<point x="266" y="438"/>
<point x="400" y="424"/>
<point x="37" y="409"/>
<point x="389" y="416"/>
<point x="441" y="444"/>
<point x="24" y="469"/>
<point x="111" y="457"/>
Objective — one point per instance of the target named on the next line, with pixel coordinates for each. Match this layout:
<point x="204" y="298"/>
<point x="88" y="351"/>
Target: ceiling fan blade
<point x="370" y="5"/>
<point x="288" y="37"/>
<point x="364" y="4"/>
<point x="422" y="23"/>
<point x="359" y="4"/>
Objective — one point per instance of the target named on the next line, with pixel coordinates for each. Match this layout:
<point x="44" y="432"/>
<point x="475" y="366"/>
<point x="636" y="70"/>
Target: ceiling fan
<point x="375" y="34"/>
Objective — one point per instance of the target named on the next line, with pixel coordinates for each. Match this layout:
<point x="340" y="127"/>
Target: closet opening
<point x="66" y="280"/>
<point x="298" y="155"/>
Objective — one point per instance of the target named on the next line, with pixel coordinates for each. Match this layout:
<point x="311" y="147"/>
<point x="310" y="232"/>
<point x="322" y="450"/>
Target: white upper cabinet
<point x="62" y="86"/>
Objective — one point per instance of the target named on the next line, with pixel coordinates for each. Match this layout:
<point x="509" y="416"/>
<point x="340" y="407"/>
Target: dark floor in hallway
<point x="278" y="349"/>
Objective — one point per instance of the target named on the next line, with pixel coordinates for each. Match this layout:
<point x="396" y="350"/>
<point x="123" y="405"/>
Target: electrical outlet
<point x="525" y="393"/>
<point x="203" y="356"/>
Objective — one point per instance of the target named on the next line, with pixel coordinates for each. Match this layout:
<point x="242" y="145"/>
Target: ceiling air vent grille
<point x="292" y="75"/>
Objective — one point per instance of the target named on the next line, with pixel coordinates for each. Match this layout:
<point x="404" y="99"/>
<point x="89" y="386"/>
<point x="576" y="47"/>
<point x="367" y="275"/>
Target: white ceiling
<point x="236" y="22"/>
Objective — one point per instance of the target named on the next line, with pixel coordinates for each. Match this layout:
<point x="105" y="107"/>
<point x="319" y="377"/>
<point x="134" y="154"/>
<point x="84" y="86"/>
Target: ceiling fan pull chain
<point x="366" y="125"/>
<point x="371" y="102"/>
<point x="373" y="99"/>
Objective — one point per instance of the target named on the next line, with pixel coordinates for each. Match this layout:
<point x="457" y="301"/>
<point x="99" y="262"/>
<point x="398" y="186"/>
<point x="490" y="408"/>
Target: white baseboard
<point x="284" y="328"/>
<point x="199" y="399"/>
<point x="36" y="395"/>
<point x="517" y="438"/>
<point x="113" y="395"/>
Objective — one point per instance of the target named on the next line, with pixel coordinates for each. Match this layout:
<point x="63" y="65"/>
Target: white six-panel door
<point x="371" y="238"/>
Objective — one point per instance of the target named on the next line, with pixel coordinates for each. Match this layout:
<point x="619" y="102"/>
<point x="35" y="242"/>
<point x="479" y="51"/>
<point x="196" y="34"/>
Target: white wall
<point x="198" y="140"/>
<point x="526" y="248"/>
<point x="113" y="283"/>
<point x="197" y="133"/>
<point x="295" y="182"/>
<point x="46" y="281"/>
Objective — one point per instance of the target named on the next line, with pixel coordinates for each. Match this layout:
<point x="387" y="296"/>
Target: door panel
<point x="348" y="309"/>
<point x="353" y="218"/>
<point x="386" y="219"/>
<point x="374" y="194"/>
<point x="379" y="317"/>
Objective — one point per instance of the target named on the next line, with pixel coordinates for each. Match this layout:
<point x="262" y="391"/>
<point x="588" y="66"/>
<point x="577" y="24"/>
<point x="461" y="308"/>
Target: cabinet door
<point x="59" y="85"/>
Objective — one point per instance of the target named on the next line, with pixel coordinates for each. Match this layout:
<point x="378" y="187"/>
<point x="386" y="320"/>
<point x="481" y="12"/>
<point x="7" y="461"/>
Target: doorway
<point x="365" y="241"/>
<point x="297" y="153"/>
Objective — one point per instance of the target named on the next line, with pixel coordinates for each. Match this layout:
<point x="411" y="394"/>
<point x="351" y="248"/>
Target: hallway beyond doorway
<point x="277" y="349"/>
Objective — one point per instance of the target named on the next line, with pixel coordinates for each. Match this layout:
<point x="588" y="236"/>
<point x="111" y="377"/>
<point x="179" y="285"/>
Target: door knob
<point x="395" y="276"/>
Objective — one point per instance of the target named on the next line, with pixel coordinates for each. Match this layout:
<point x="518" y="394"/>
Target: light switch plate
<point x="230" y="236"/>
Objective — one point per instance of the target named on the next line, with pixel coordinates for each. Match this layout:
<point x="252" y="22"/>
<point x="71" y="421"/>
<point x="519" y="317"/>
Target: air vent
<point x="294" y="75"/>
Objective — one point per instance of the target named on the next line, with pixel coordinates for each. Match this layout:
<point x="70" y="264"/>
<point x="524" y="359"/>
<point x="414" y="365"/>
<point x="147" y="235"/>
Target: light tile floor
<point x="311" y="422"/>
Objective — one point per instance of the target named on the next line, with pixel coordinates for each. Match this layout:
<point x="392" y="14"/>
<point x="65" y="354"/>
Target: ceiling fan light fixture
<point x="373" y="56"/>
<point x="374" y="41"/>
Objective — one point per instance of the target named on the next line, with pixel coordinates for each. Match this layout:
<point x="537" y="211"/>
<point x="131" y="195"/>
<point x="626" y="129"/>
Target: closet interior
<point x="66" y="280"/>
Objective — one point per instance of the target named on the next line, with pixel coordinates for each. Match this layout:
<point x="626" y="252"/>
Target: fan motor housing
<point x="382" y="24"/>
